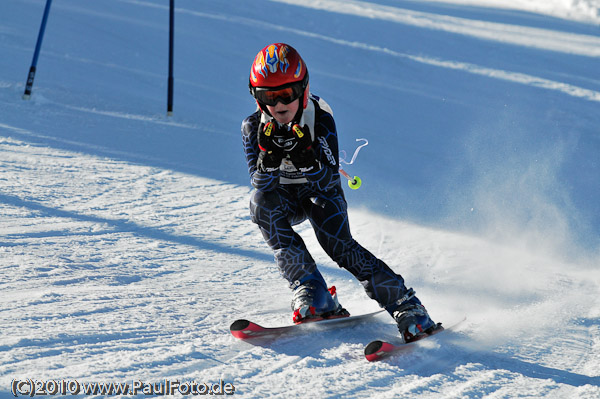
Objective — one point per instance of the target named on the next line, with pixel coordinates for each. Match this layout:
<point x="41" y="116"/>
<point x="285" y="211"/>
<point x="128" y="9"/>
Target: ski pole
<point x="36" y="53"/>
<point x="353" y="182"/>
<point x="171" y="44"/>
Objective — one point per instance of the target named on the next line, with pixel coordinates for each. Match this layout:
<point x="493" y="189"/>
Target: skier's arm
<point x="261" y="180"/>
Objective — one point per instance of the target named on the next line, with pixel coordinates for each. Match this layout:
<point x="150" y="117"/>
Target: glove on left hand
<point x="303" y="155"/>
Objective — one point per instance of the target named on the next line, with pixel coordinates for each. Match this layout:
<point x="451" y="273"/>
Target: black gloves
<point x="302" y="154"/>
<point x="269" y="158"/>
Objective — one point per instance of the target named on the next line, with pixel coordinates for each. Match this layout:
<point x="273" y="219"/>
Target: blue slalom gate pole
<point x="36" y="53"/>
<point x="171" y="42"/>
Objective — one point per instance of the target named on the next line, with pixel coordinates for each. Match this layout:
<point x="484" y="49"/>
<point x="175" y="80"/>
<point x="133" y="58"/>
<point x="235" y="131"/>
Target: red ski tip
<point x="243" y="329"/>
<point x="376" y="349"/>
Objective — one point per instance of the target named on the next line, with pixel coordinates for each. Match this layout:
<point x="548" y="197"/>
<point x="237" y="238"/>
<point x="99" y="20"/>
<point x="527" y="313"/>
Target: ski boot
<point x="312" y="300"/>
<point x="412" y="318"/>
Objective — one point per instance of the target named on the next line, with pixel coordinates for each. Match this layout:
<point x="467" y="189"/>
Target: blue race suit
<point x="287" y="197"/>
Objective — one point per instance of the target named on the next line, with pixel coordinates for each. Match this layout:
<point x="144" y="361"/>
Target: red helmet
<point x="278" y="73"/>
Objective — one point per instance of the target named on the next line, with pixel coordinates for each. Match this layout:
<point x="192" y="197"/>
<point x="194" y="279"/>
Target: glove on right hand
<point x="269" y="158"/>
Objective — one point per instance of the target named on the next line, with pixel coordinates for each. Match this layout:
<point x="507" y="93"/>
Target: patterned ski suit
<point x="287" y="197"/>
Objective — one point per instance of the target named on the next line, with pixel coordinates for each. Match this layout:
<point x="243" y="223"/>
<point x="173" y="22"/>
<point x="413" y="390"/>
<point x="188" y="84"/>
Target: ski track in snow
<point x="115" y="265"/>
<point x="516" y="35"/>
<point x="103" y="264"/>
<point x="548" y="40"/>
<point x="578" y="10"/>
<point x="129" y="246"/>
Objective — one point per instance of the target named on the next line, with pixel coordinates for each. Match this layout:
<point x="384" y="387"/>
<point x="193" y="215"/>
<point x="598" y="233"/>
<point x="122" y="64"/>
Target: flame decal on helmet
<point x="298" y="70"/>
<point x="271" y="59"/>
<point x="258" y="66"/>
<point x="283" y="61"/>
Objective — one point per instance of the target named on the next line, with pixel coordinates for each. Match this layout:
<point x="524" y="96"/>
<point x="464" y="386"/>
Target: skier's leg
<point x="329" y="218"/>
<point x="273" y="212"/>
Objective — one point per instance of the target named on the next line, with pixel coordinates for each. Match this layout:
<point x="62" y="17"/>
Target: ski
<point x="245" y="329"/>
<point x="377" y="350"/>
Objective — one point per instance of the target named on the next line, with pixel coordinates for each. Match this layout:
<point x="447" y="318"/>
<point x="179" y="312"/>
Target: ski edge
<point x="246" y="329"/>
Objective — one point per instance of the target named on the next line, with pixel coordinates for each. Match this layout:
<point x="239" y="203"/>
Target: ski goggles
<point x="285" y="95"/>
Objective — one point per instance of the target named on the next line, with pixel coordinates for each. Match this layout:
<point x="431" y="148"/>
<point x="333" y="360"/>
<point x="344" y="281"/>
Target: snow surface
<point x="126" y="246"/>
<point x="578" y="10"/>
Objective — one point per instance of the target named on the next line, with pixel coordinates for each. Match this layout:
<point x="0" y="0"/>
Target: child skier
<point x="291" y="148"/>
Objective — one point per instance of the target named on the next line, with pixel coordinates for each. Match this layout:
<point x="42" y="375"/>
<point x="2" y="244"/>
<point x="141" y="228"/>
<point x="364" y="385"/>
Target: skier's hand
<point x="302" y="153"/>
<point x="269" y="158"/>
